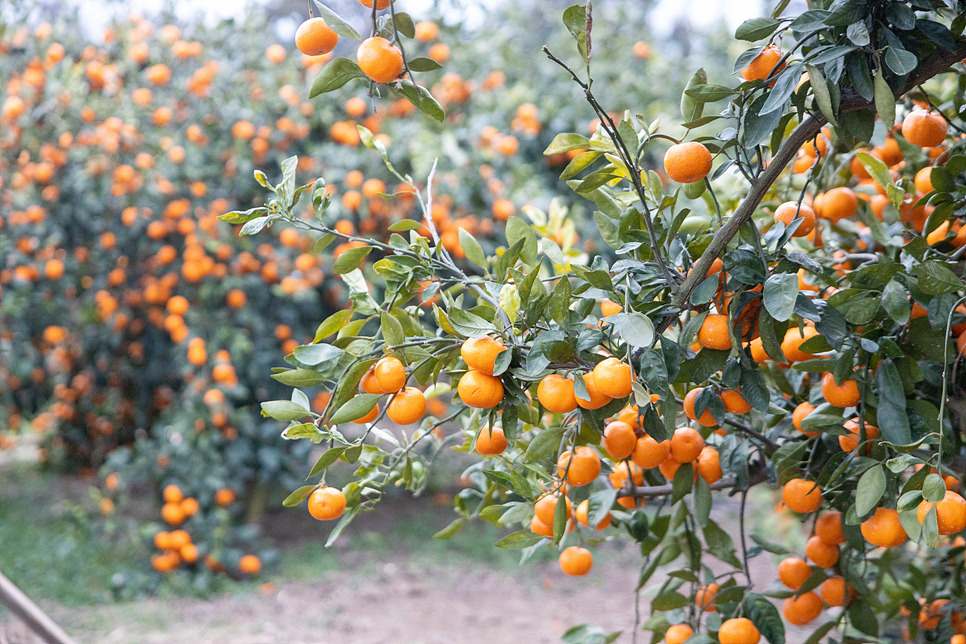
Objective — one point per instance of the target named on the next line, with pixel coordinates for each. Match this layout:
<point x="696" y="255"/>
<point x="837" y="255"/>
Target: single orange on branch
<point x="379" y="59"/>
<point x="314" y="37"/>
<point x="687" y="162"/>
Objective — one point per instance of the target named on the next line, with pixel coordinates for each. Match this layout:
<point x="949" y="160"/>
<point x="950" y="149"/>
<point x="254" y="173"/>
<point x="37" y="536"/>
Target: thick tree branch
<point x="937" y="62"/>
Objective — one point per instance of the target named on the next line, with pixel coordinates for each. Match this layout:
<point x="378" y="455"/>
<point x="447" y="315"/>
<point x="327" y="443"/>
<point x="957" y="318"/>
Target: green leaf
<point x="236" y="217"/>
<point x="328" y="458"/>
<point x="404" y="24"/>
<point x="900" y="61"/>
<point x="780" y="294"/>
<point x="392" y="330"/>
<point x="519" y="540"/>
<point x="891" y="416"/>
<point x="933" y="488"/>
<point x="356" y="407"/>
<point x="637" y="330"/>
<point x="472" y="248"/>
<point x="936" y="279"/>
<point x="709" y="93"/>
<point x="298" y="496"/>
<point x="870" y="489"/>
<point x="313" y="354"/>
<point x="691" y="108"/>
<point x="765" y="617"/>
<point x="575" y="19"/>
<point x="305" y="430"/>
<point x="821" y="93"/>
<point x="404" y="225"/>
<point x="423" y="100"/>
<point x="469" y="324"/>
<point x="720" y="544"/>
<point x="350" y="260"/>
<point x="885" y="100"/>
<point x="332" y="324"/>
<point x="337" y="24"/>
<point x="451" y="530"/>
<point x="424" y="65"/>
<point x="756" y="29"/>
<point x="895" y="301"/>
<point x="544" y="444"/>
<point x="334" y="75"/>
<point x="566" y="142"/>
<point x="283" y="410"/>
<point x="669" y="600"/>
<point x="299" y="378"/>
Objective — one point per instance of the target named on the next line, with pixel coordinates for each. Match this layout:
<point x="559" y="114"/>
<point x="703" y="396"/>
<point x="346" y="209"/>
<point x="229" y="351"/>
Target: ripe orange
<point x="678" y="634"/>
<point x="576" y="561"/>
<point x="790" y="210"/>
<point x="172" y="494"/>
<point x="800" y="413"/>
<point x="545" y="507"/>
<point x="739" y="630"/>
<point x="793" y="340"/>
<point x="172" y="513"/>
<point x="326" y="503"/>
<point x="314" y="37"/>
<point x="556" y="394"/>
<point x="803" y="609"/>
<point x="794" y="572"/>
<point x="390" y="374"/>
<point x="539" y="527"/>
<point x="705" y="597"/>
<point x="713" y="333"/>
<point x="648" y="453"/>
<point x="686" y="444"/>
<point x="883" y="529"/>
<point x="835" y="591"/>
<point x="624" y="472"/>
<point x="407" y="406"/>
<point x="850" y="441"/>
<point x="828" y="528"/>
<point x="950" y="513"/>
<point x="581" y="466"/>
<point x="380" y="4"/>
<point x="734" y="402"/>
<point x="687" y="162"/>
<point x="836" y="204"/>
<point x="379" y="59"/>
<point x="669" y="468"/>
<point x="609" y="308"/>
<point x="370" y="384"/>
<point x="763" y="64"/>
<point x="613" y="378"/>
<point x="925" y="129"/>
<point x="923" y="180"/>
<point x="597" y="399"/>
<point x="491" y="441"/>
<point x="822" y="554"/>
<point x="706" y="418"/>
<point x="619" y="439"/>
<point x="426" y="31"/>
<point x="480" y="391"/>
<point x="583" y="510"/>
<point x="249" y="564"/>
<point x="709" y="466"/>
<point x="802" y="496"/>
<point x="481" y="353"/>
<point x="844" y="395"/>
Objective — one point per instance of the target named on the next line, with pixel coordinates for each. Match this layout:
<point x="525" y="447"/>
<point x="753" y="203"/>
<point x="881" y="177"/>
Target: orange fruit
<point x="576" y="561"/>
<point x="368" y="418"/>
<point x="380" y="4"/>
<point x="314" y="37"/>
<point x="704" y="598"/>
<point x="370" y="384"/>
<point x="883" y="529"/>
<point x="390" y="374"/>
<point x="249" y="564"/>
<point x="609" y="308"/>
<point x="734" y="402"/>
<point x="836" y="204"/>
<point x="925" y="129"/>
<point x="491" y="441"/>
<point x="580" y="467"/>
<point x="379" y="59"/>
<point x="172" y="494"/>
<point x="678" y="634"/>
<point x="624" y="472"/>
<point x="669" y="468"/>
<point x="822" y="554"/>
<point x="828" y="528"/>
<point x="709" y="466"/>
<point x="687" y="162"/>
<point x="480" y="391"/>
<point x="619" y="439"/>
<point x="794" y="572"/>
<point x="597" y="399"/>
<point x="613" y="378"/>
<point x="850" y="441"/>
<point x="763" y="64"/>
<point x="739" y="630"/>
<point x="844" y="395"/>
<point x="426" y="31"/>
<point x="950" y="513"/>
<point x="803" y="609"/>
<point x="706" y="418"/>
<point x="713" y="333"/>
<point x="930" y="617"/>
<point x="172" y="513"/>
<point x="802" y="496"/>
<point x="790" y="210"/>
<point x="539" y="527"/>
<point x="686" y="444"/>
<point x="793" y="340"/>
<point x="648" y="453"/>
<point x="546" y="506"/>
<point x="835" y="591"/>
<point x="583" y="509"/>
<point x="326" y="503"/>
<point x="407" y="406"/>
<point x="923" y="180"/>
<point x="556" y="394"/>
<point x="481" y="353"/>
<point x="800" y="413"/>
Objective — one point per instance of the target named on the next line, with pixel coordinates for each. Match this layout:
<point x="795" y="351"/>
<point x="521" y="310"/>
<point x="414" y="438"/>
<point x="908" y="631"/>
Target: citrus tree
<point x="804" y="339"/>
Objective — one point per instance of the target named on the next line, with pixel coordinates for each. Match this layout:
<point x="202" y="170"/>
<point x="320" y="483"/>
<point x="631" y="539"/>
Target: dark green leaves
<point x="350" y="260"/>
<point x="870" y="489"/>
<point x="764" y="615"/>
<point x="518" y="540"/>
<point x="283" y="410"/>
<point x="691" y="108"/>
<point x="756" y="29"/>
<point x="936" y="279"/>
<point x="900" y="61"/>
<point x="780" y="294"/>
<point x="334" y="75"/>
<point x="885" y="100"/>
<point x="891" y="418"/>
